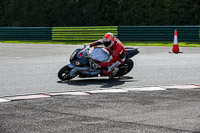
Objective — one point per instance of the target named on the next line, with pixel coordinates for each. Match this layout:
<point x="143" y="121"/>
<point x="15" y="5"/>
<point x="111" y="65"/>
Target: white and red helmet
<point x="108" y="39"/>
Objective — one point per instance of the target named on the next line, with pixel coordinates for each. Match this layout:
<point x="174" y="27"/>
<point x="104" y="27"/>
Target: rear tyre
<point x="126" y="68"/>
<point x="64" y="73"/>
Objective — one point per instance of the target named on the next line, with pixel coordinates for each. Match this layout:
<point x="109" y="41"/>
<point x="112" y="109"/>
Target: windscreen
<point x="100" y="54"/>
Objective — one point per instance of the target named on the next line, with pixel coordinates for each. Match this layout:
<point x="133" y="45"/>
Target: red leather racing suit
<point x="117" y="56"/>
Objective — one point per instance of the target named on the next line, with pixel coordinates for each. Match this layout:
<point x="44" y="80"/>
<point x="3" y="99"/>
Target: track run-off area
<point x="160" y="94"/>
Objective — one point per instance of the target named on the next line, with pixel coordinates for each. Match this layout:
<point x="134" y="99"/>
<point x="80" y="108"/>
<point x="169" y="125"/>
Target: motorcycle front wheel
<point x="64" y="73"/>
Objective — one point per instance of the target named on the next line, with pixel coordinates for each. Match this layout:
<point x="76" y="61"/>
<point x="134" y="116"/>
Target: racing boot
<point x="114" y="72"/>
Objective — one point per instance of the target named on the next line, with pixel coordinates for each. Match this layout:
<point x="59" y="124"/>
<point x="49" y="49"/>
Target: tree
<point x="99" y="12"/>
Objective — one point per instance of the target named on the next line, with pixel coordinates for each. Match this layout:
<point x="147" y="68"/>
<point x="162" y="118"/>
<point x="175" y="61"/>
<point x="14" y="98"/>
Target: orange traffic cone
<point x="175" y="46"/>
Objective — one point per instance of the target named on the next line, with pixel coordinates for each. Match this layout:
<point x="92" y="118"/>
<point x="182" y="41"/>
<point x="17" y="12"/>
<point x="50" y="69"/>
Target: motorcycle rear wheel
<point x="64" y="73"/>
<point x="126" y="68"/>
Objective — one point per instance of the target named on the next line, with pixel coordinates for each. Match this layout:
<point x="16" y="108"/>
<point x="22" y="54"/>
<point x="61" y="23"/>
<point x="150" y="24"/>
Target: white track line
<point x="108" y="91"/>
<point x="145" y="89"/>
<point x="27" y="97"/>
<point x="183" y="87"/>
<point x="3" y="100"/>
<point x="69" y="93"/>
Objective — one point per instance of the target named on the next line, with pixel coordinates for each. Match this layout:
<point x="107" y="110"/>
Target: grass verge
<point x="127" y="43"/>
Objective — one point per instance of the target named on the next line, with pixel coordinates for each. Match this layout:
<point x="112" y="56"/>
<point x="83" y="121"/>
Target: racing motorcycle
<point x="82" y="63"/>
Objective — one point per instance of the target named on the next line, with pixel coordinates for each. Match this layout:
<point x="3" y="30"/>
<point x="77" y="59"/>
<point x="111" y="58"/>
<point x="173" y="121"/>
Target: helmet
<point x="108" y="39"/>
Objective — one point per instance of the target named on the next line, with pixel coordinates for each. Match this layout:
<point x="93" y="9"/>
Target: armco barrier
<point x="82" y="33"/>
<point x="158" y="33"/>
<point x="25" y="33"/>
<point x="91" y="33"/>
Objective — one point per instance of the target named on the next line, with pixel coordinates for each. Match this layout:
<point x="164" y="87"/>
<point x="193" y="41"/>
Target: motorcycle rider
<point x="117" y="54"/>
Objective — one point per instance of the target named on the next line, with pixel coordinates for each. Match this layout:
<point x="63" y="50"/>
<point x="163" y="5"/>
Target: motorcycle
<point x="82" y="63"/>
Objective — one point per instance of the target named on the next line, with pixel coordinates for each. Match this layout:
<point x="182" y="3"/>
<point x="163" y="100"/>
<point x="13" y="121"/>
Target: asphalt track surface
<point x="32" y="69"/>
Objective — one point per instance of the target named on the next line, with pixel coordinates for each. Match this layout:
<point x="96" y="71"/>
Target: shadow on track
<point x="104" y="82"/>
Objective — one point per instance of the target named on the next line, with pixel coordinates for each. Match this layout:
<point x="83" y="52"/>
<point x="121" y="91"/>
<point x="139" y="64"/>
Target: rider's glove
<point x="86" y="45"/>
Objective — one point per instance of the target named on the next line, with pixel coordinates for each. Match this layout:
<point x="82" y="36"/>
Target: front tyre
<point x="64" y="73"/>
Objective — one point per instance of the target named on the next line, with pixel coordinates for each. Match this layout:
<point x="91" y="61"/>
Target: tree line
<point x="51" y="13"/>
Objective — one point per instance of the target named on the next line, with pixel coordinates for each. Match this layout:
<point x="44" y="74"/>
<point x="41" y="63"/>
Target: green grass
<point x="127" y="43"/>
<point x="181" y="44"/>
